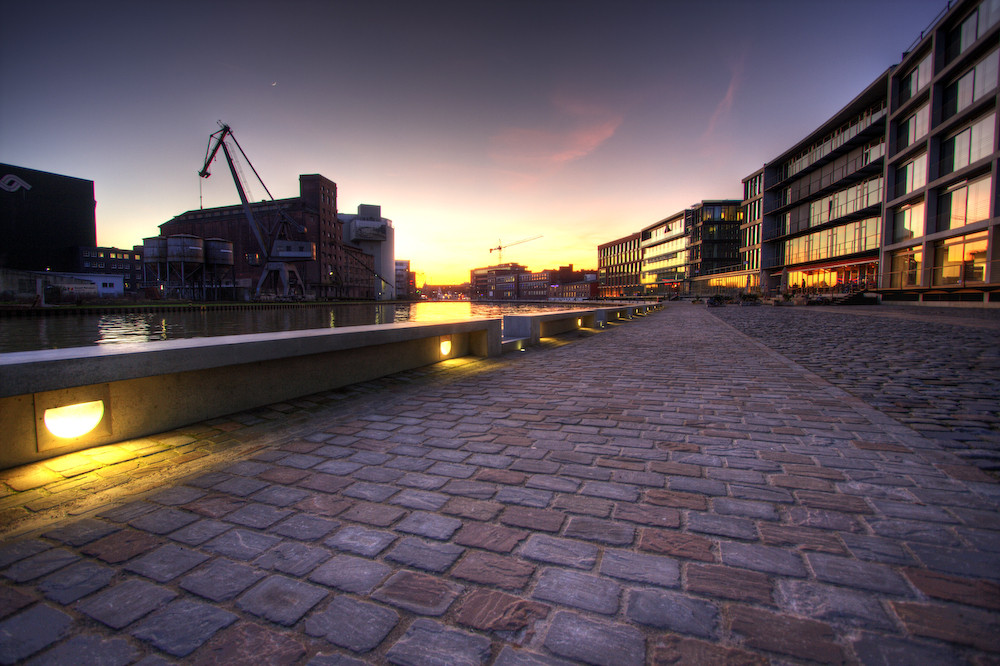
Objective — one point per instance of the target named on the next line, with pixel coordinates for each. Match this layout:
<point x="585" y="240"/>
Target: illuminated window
<point x="905" y="271"/>
<point x="960" y="261"/>
<point x="964" y="203"/>
<point x="908" y="222"/>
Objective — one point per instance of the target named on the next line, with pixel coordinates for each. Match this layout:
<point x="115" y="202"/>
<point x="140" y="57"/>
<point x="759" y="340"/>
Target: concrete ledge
<point x="155" y="387"/>
<point x="533" y="327"/>
<point x="530" y="328"/>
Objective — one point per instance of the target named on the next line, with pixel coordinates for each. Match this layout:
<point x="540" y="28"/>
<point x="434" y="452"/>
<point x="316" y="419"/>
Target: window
<point x="964" y="203"/>
<point x="911" y="176"/>
<point x="960" y="261"/>
<point x="975" y="25"/>
<point x="968" y="146"/>
<point x="917" y="79"/>
<point x="908" y="222"/>
<point x="914" y="128"/>
<point x="971" y="86"/>
<point x="905" y="271"/>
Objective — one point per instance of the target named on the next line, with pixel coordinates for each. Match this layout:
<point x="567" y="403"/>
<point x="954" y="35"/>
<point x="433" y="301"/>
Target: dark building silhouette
<point x="44" y="218"/>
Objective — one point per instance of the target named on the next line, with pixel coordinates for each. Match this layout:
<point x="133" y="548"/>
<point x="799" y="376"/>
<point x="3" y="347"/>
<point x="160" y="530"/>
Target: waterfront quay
<point x="737" y="485"/>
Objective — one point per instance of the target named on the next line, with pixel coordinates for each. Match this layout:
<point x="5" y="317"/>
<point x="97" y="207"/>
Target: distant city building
<point x="375" y="236"/>
<point x="112" y="261"/>
<point x="406" y="280"/>
<point x="668" y="257"/>
<point x="582" y="289"/>
<point x="542" y="285"/>
<point x="44" y="218"/>
<point x="496" y="283"/>
<point x="941" y="231"/>
<point x="338" y="269"/>
<point x="619" y="267"/>
<point x="508" y="282"/>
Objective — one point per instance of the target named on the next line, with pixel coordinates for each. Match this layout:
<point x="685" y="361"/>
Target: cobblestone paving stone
<point x="937" y="372"/>
<point x="669" y="490"/>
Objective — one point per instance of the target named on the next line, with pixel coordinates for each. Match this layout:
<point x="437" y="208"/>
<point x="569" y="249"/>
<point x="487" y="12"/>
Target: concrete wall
<point x="155" y="387"/>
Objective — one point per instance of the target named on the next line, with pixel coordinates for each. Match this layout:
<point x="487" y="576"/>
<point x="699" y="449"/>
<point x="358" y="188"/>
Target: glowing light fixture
<point x="579" y="323"/>
<point x="445" y="346"/>
<point x="74" y="420"/>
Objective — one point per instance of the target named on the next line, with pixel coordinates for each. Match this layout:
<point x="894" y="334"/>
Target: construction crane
<point x="501" y="247"/>
<point x="278" y="250"/>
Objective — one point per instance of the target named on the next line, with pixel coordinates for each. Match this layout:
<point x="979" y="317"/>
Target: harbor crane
<point x="501" y="247"/>
<point x="278" y="250"/>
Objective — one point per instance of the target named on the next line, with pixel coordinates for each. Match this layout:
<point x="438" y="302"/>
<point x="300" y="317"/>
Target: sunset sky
<point x="469" y="122"/>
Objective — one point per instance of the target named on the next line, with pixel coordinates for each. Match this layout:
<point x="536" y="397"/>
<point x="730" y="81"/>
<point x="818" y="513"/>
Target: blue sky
<point x="468" y="122"/>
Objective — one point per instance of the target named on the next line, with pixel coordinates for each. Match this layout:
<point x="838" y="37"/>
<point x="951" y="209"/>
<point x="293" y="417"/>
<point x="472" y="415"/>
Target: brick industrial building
<point x="338" y="269"/>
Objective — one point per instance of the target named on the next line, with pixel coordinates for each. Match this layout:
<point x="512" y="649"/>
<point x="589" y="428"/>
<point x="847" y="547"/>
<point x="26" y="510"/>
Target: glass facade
<point x="972" y="86"/>
<point x="917" y="79"/>
<point x="905" y="268"/>
<point x="908" y="222"/>
<point x="734" y="282"/>
<point x="845" y="278"/>
<point x="964" y="203"/>
<point x="912" y="175"/>
<point x="833" y="141"/>
<point x="914" y="127"/>
<point x="960" y="261"/>
<point x="968" y="146"/>
<point x="971" y="28"/>
<point x="852" y="238"/>
<point x="863" y="195"/>
<point x="619" y="265"/>
<point x="666" y="261"/>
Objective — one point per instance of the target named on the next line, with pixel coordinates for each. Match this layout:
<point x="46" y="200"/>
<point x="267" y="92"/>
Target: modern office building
<point x="753" y="222"/>
<point x="44" y="218"/>
<point x="619" y="267"/>
<point x="821" y="224"/>
<point x="713" y="230"/>
<point x="664" y="255"/>
<point x="940" y="225"/>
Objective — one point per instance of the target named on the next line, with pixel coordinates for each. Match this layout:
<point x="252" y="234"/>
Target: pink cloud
<point x="544" y="150"/>
<point x="528" y="154"/>
<point x="725" y="105"/>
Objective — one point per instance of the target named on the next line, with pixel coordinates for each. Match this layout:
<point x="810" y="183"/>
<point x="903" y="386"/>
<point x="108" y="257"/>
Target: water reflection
<point x="81" y="330"/>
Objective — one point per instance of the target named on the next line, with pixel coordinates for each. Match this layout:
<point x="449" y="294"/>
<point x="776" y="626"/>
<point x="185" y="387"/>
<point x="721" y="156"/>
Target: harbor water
<point x="82" y="330"/>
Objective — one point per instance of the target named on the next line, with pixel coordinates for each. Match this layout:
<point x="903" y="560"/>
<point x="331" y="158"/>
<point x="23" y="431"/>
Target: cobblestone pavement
<point x="935" y="369"/>
<point x="666" y="491"/>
